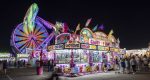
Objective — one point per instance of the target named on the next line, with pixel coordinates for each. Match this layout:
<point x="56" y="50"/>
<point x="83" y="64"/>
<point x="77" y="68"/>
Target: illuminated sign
<point x="22" y="55"/>
<point x="60" y="46"/>
<point x="4" y="55"/>
<point x="103" y="48"/>
<point x="106" y="48"/>
<point x="111" y="49"/>
<point x="72" y="45"/>
<point x="97" y="42"/>
<point x="92" y="47"/>
<point x="85" y="46"/>
<point x="114" y="49"/>
<point x="50" y="47"/>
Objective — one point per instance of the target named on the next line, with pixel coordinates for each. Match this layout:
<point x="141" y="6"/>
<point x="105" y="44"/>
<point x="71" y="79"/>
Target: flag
<point x="95" y="28"/>
<point x="111" y="32"/>
<point x="118" y="41"/>
<point x="77" y="28"/>
<point x="65" y="28"/>
<point x="101" y="27"/>
<point x="88" y="22"/>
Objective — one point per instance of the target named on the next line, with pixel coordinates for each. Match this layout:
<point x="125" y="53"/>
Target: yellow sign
<point x="72" y="45"/>
<point x="92" y="46"/>
<point x="22" y="55"/>
<point x="114" y="49"/>
<point x="106" y="48"/>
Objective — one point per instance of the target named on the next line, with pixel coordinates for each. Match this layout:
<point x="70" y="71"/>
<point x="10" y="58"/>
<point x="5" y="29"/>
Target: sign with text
<point x="93" y="41"/>
<point x="22" y="55"/>
<point x="50" y="47"/>
<point x="92" y="47"/>
<point x="4" y="55"/>
<point x="106" y="48"/>
<point x="103" y="48"/>
<point x="72" y="45"/>
<point x="114" y="49"/>
<point x="60" y="46"/>
<point x="97" y="42"/>
<point x="85" y="46"/>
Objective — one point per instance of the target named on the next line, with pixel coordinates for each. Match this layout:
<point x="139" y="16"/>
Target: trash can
<point x="39" y="70"/>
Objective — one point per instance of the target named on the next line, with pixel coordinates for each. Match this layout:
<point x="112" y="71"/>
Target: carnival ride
<point x="82" y="53"/>
<point x="32" y="32"/>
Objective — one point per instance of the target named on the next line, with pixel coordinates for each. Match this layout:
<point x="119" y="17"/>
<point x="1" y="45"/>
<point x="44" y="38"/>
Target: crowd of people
<point x="5" y="64"/>
<point x="132" y="64"/>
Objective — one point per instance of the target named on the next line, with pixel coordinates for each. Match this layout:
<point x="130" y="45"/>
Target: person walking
<point x="123" y="65"/>
<point x="127" y="65"/>
<point x="133" y="64"/>
<point x="138" y="62"/>
<point x="54" y="73"/>
<point x="18" y="64"/>
<point x="49" y="66"/>
<point x="24" y="63"/>
<point x="5" y="67"/>
<point x="145" y="62"/>
<point x="117" y="64"/>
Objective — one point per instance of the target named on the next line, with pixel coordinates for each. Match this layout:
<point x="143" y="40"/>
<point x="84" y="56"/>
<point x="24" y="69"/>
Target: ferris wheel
<point x="32" y="33"/>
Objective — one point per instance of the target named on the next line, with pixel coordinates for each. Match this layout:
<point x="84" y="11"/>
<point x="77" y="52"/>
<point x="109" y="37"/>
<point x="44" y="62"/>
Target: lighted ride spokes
<point x="32" y="32"/>
<point x="32" y="39"/>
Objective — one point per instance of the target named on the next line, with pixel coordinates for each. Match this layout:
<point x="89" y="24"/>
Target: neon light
<point x="29" y="19"/>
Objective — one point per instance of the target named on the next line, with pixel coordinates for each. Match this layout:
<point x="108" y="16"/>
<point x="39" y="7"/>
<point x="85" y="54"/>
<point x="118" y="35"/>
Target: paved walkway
<point x="24" y="74"/>
<point x="30" y="74"/>
<point x="111" y="76"/>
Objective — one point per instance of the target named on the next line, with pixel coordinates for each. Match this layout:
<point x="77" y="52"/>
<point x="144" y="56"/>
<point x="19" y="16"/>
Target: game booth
<point x="73" y="53"/>
<point x="85" y="53"/>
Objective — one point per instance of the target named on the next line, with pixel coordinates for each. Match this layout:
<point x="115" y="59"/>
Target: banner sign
<point x="49" y="48"/>
<point x="92" y="47"/>
<point x="114" y="49"/>
<point x="97" y="42"/>
<point x="103" y="48"/>
<point x="4" y="55"/>
<point x="85" y="46"/>
<point x="22" y="55"/>
<point x="72" y="45"/>
<point x="60" y="46"/>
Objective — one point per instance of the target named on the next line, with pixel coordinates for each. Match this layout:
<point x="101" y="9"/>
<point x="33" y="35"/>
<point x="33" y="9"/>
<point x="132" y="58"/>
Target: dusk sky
<point x="129" y="20"/>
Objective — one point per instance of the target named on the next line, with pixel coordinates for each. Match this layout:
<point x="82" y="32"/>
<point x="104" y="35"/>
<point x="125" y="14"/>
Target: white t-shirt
<point x="145" y="60"/>
<point x="132" y="62"/>
<point x="137" y="60"/>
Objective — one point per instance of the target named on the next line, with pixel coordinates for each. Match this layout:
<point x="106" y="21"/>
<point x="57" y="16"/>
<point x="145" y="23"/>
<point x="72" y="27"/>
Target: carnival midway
<point x="36" y="42"/>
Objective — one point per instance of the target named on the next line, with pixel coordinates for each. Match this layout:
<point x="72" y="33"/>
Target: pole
<point x="71" y="62"/>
